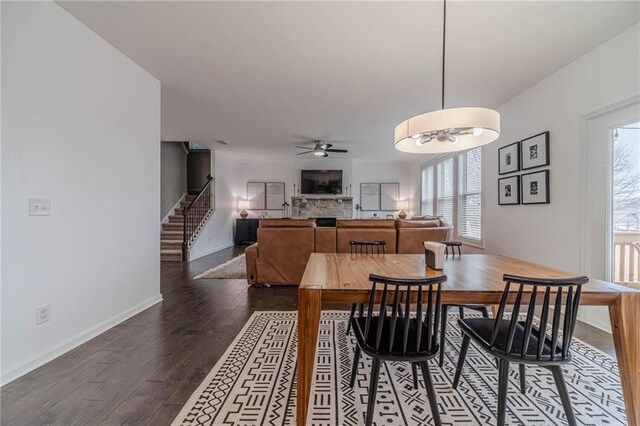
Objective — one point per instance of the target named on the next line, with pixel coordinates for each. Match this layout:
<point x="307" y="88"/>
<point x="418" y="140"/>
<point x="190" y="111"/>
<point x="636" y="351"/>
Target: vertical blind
<point x="452" y="188"/>
<point x="427" y="192"/>
<point x="470" y="194"/>
<point x="445" y="189"/>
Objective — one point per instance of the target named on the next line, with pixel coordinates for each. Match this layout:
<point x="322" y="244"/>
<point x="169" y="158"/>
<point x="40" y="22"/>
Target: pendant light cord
<point x="444" y="38"/>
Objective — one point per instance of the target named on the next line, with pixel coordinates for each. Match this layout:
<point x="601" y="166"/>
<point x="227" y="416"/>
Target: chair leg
<point x="463" y="354"/>
<point x="443" y="333"/>
<point x="461" y="311"/>
<point x="431" y="393"/>
<point x="523" y="378"/>
<point x="373" y="389"/>
<point x="564" y="394"/>
<point x="503" y="382"/>
<point x="351" y="316"/>
<point x="354" y="367"/>
<point x="414" y="371"/>
<point x="485" y="312"/>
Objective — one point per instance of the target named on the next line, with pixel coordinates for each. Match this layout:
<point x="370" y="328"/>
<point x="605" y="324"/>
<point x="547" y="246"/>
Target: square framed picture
<point x="535" y="187"/>
<point x="509" y="158"/>
<point x="509" y="191"/>
<point x="534" y="151"/>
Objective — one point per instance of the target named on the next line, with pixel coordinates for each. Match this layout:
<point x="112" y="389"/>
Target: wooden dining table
<point x="341" y="278"/>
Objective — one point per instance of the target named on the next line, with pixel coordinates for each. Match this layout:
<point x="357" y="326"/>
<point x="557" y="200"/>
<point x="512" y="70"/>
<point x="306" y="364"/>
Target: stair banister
<point x="194" y="214"/>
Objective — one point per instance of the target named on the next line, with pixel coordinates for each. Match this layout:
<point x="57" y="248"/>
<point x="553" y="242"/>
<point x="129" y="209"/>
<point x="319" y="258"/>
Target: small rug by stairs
<point x="255" y="383"/>
<point x="232" y="269"/>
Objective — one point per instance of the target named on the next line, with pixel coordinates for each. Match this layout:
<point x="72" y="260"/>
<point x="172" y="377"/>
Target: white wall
<point x="81" y="125"/>
<point x="173" y="175"/>
<point x="218" y="231"/>
<point x="355" y="172"/>
<point x="551" y="234"/>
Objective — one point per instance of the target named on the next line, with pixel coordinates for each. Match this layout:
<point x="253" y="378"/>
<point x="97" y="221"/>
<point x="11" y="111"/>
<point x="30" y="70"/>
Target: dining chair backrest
<point x="556" y="294"/>
<point x="368" y="247"/>
<point x="424" y="292"/>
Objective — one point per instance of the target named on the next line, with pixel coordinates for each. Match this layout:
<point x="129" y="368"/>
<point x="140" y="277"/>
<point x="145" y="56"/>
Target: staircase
<point x="173" y="232"/>
<point x="175" y="240"/>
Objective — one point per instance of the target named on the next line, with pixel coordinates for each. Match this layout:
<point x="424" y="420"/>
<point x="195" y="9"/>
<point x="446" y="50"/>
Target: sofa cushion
<point x="287" y="223"/>
<point x="325" y="240"/>
<point x="283" y="253"/>
<point x="366" y="223"/>
<point x="425" y="223"/>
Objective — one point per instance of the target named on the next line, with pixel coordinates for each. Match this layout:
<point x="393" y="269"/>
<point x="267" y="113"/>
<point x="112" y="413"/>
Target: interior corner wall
<point x="218" y="231"/>
<point x="81" y="126"/>
<point x="173" y="175"/>
<point x="550" y="234"/>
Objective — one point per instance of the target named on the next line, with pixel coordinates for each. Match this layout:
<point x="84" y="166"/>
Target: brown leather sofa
<point x="284" y="245"/>
<point x="411" y="233"/>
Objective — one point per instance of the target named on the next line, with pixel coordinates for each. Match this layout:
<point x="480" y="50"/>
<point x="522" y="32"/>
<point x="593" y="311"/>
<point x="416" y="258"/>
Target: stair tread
<point x="170" y="251"/>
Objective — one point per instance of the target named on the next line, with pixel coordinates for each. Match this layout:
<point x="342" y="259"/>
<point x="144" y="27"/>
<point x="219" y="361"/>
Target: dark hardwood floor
<point x="143" y="370"/>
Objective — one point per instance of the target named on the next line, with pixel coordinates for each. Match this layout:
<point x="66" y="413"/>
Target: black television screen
<point x="321" y="182"/>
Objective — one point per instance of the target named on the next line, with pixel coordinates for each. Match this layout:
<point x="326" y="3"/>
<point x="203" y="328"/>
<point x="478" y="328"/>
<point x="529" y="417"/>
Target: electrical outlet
<point x="43" y="314"/>
<point x="39" y="206"/>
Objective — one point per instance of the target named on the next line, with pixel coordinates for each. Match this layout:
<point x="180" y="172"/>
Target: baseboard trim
<point x="76" y="341"/>
<point x="208" y="252"/>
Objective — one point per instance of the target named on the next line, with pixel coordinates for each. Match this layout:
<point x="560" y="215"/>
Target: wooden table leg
<point x="309" y="305"/>
<point x="625" y="322"/>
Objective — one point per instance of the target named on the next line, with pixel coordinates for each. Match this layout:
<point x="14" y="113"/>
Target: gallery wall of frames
<point x="518" y="187"/>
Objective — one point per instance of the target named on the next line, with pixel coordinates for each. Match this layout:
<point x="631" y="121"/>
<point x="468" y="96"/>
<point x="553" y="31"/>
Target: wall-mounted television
<point x="321" y="182"/>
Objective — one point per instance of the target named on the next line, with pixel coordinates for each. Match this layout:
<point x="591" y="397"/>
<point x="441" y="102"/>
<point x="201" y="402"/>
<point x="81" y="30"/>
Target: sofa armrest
<point x="251" y="257"/>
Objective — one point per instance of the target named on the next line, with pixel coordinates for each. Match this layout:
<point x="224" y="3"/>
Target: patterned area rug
<point x="232" y="269"/>
<point x="254" y="383"/>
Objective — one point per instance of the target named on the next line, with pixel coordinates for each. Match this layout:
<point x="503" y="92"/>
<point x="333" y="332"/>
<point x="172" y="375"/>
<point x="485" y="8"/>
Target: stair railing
<point x="194" y="214"/>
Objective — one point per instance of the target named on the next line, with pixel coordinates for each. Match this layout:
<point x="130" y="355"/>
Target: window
<point x="452" y="188"/>
<point x="427" y="192"/>
<point x="444" y="205"/>
<point x="470" y="194"/>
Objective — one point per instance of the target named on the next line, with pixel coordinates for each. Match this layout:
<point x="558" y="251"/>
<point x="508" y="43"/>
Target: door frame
<point x="587" y="244"/>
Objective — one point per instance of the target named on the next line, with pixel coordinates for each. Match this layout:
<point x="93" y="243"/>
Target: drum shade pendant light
<point x="450" y="129"/>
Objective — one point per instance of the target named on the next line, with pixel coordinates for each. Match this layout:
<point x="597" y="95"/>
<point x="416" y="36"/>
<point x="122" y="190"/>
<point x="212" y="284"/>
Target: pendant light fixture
<point x="450" y="129"/>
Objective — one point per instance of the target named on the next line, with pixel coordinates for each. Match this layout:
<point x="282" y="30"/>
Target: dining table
<point x="474" y="279"/>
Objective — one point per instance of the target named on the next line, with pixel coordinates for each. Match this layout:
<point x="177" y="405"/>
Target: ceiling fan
<point x="320" y="149"/>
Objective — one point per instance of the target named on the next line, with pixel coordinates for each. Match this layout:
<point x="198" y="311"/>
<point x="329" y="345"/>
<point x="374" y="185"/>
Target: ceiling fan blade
<point x="326" y="155"/>
<point x="336" y="150"/>
<point x="327" y="145"/>
<point x="304" y="147"/>
<point x="306" y="152"/>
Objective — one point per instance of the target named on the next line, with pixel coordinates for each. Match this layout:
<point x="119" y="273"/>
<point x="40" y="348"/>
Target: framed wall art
<point x="509" y="191"/>
<point x="535" y="187"/>
<point x="534" y="151"/>
<point x="509" y="158"/>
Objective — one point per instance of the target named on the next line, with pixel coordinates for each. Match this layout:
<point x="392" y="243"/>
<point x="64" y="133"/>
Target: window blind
<point x="427" y="191"/>
<point x="470" y="194"/>
<point x="444" y="206"/>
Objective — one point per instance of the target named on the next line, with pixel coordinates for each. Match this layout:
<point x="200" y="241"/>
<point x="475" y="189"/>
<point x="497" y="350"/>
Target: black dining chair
<point x="364" y="247"/>
<point x="445" y="308"/>
<point x="522" y="342"/>
<point x="386" y="337"/>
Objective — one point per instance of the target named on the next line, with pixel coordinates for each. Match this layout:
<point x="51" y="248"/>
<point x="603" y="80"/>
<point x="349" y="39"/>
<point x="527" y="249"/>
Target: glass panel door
<point x="625" y="214"/>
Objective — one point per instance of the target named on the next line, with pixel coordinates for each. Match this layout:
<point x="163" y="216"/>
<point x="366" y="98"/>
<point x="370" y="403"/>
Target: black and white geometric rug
<point x="254" y="383"/>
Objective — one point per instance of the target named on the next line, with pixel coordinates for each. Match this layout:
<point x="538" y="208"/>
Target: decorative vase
<point x="402" y="214"/>
<point x="244" y="214"/>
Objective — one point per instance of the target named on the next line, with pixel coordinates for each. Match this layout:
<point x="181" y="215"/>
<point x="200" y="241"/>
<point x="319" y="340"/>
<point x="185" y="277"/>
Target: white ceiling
<point x="265" y="76"/>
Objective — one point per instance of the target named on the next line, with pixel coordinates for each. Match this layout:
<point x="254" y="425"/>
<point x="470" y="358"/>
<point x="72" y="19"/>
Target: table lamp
<point x="243" y="205"/>
<point x="402" y="205"/>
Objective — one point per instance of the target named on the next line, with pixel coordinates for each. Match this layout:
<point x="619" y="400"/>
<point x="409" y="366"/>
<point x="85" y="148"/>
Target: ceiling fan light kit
<point x="450" y="129"/>
<point x="320" y="149"/>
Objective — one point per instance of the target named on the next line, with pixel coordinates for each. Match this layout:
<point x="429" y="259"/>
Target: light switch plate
<point x="39" y="206"/>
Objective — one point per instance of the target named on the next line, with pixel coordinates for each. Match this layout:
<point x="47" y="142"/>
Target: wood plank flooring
<point x="143" y="370"/>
